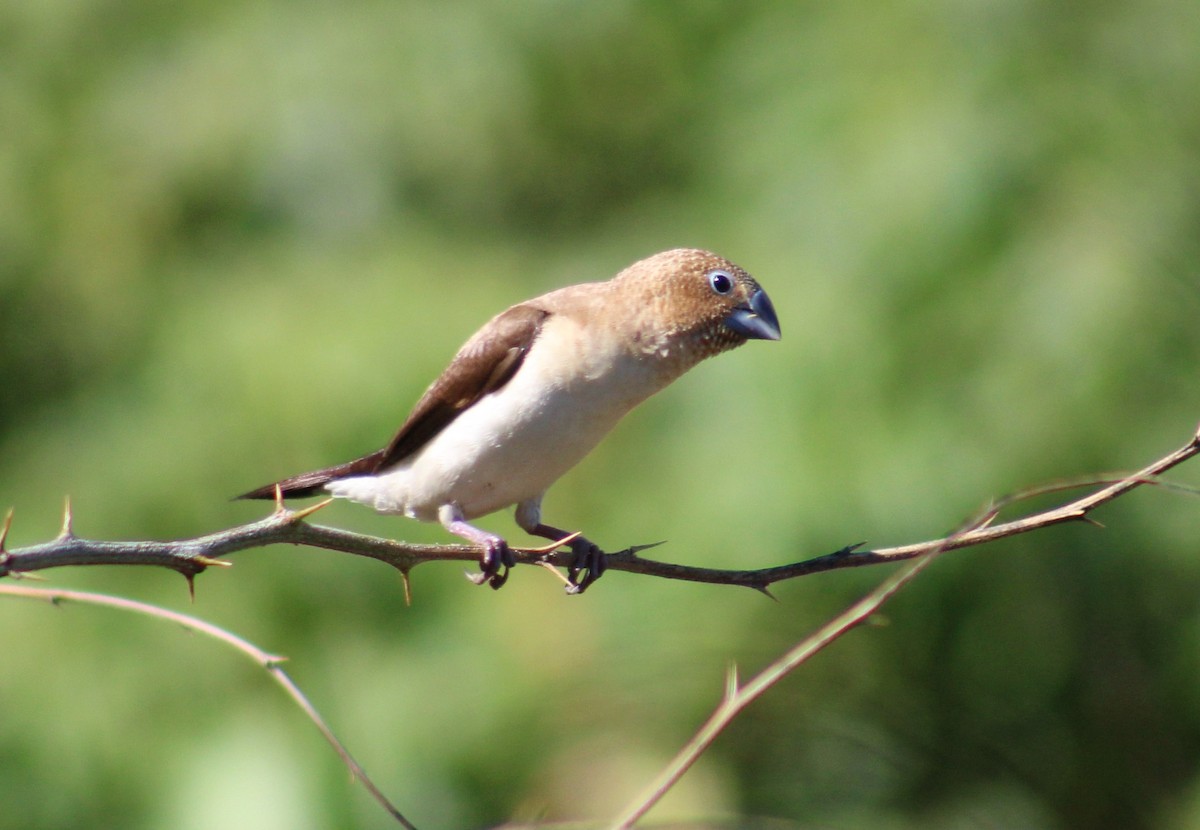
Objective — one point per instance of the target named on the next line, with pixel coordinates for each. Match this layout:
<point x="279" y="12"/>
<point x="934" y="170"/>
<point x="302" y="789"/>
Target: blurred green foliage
<point x="238" y="239"/>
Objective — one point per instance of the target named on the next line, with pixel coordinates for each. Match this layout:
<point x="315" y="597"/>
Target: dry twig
<point x="978" y="530"/>
<point x="269" y="662"/>
<point x="738" y="696"/>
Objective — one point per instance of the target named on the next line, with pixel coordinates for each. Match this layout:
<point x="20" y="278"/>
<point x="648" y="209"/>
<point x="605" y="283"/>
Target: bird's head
<point x="700" y="304"/>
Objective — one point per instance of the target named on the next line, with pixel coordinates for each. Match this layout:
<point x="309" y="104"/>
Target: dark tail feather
<point x="312" y="484"/>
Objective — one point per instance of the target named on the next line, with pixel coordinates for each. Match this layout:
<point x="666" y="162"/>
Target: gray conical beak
<point x="756" y="320"/>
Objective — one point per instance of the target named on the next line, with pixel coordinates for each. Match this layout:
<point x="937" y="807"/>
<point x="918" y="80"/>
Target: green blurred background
<point x="238" y="239"/>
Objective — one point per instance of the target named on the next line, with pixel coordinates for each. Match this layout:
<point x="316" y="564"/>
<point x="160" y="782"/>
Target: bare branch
<point x="269" y="662"/>
<point x="192" y="556"/>
<point x="737" y="697"/>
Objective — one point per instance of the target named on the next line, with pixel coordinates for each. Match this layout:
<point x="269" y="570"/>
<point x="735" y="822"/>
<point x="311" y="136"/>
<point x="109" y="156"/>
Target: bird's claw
<point x="495" y="560"/>
<point x="588" y="564"/>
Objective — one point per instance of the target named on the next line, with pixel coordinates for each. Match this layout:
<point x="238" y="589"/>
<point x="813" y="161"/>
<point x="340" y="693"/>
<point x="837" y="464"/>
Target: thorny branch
<point x="738" y="696"/>
<point x="191" y="557"/>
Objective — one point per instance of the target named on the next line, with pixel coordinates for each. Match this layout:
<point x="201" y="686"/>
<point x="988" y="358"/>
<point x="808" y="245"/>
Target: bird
<point x="533" y="391"/>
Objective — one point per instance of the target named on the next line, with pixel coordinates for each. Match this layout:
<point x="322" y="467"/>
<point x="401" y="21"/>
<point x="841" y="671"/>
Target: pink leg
<point x="494" y="552"/>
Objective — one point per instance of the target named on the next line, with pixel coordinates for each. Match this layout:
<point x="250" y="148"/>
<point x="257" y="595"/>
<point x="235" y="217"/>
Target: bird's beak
<point x="756" y="319"/>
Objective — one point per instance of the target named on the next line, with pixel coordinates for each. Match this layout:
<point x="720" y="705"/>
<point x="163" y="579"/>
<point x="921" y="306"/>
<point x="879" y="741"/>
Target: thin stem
<point x="270" y="662"/>
<point x="737" y="698"/>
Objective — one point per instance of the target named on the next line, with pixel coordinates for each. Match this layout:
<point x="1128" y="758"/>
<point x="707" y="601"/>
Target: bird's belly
<point x="501" y="452"/>
<point x="507" y="447"/>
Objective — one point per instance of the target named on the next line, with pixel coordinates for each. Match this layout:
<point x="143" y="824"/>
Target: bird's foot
<point x="495" y="556"/>
<point x="588" y="564"/>
<point x="495" y="560"/>
<point x="587" y="560"/>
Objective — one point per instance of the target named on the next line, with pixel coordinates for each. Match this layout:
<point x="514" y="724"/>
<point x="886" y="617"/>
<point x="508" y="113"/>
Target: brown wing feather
<point x="484" y="364"/>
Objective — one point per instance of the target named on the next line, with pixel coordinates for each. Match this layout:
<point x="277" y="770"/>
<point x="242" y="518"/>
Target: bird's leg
<point x="494" y="552"/>
<point x="587" y="560"/>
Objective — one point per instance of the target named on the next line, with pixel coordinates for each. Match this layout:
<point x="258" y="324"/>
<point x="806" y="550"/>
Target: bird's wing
<point x="484" y="364"/>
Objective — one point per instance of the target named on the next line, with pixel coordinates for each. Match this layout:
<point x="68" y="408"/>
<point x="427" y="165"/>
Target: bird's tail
<point x="313" y="484"/>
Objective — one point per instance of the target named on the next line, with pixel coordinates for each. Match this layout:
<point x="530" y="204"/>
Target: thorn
<point x="407" y="588"/>
<point x="634" y="550"/>
<point x="68" y="525"/>
<point x="191" y="581"/>
<point x="572" y="588"/>
<point x="279" y="508"/>
<point x="208" y="562"/>
<point x="1086" y="518"/>
<point x="4" y="530"/>
<point x="301" y="515"/>
<point x="553" y="546"/>
<point x="765" y="590"/>
<point x="987" y="520"/>
<point x="731" y="682"/>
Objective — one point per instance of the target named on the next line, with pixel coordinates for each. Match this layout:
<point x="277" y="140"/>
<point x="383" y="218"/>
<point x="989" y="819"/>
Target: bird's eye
<point x="721" y="281"/>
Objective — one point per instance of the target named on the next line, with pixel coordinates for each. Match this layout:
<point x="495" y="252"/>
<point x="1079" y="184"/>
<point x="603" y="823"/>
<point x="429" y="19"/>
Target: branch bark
<point x="191" y="557"/>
